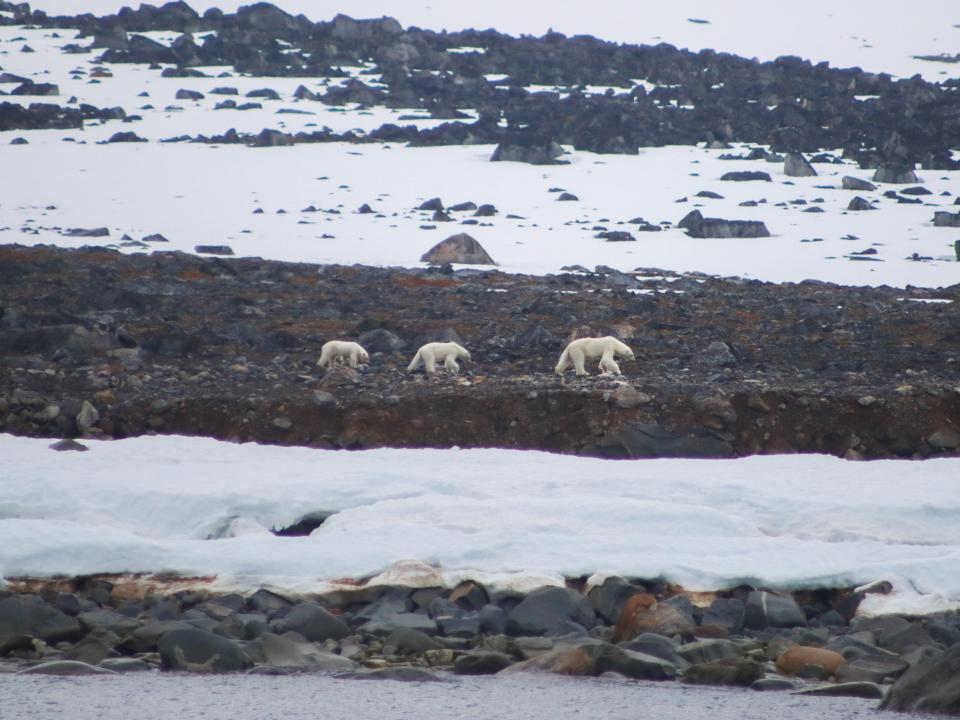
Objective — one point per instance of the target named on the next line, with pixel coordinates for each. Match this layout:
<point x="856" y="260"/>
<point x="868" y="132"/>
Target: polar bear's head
<point x="363" y="356"/>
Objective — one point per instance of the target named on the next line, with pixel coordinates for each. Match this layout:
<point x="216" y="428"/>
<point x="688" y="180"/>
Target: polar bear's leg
<point x="429" y="362"/>
<point x="415" y="363"/>
<point x="578" y="359"/>
<point x="451" y="363"/>
<point x="354" y="354"/>
<point x="608" y="364"/>
<point x="563" y="363"/>
<point x="324" y="360"/>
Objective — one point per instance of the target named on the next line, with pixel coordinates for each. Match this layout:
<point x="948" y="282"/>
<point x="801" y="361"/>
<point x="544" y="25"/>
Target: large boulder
<point x="283" y="651"/>
<point x="202" y="652"/>
<point x="768" y="610"/>
<point x="896" y="174"/>
<point x="460" y="248"/>
<point x="945" y="218"/>
<point x="596" y="659"/>
<point x="482" y="663"/>
<point x="709" y="650"/>
<point x="534" y="152"/>
<point x="796" y="165"/>
<point x="796" y="659"/>
<point x="550" y="611"/>
<point x="932" y="685"/>
<point x="698" y="226"/>
<point x="406" y="641"/>
<point x="854" y="183"/>
<point x="609" y="597"/>
<point x="741" y="672"/>
<point x="390" y="613"/>
<point x="313" y="622"/>
<point x="65" y="668"/>
<point x="643" y="614"/>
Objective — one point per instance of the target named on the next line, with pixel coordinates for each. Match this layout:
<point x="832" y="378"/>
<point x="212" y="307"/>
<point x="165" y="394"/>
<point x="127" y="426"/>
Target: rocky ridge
<point x="95" y="343"/>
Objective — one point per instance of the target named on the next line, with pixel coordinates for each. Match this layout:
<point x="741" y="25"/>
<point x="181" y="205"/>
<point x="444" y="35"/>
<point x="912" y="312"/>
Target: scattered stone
<point x="68" y="445"/>
<point x="858" y="203"/>
<point x="896" y="174"/>
<point x="737" y="671"/>
<point x="460" y="248"/>
<point x="698" y="226"/>
<point x="866" y="690"/>
<point x="65" y="668"/>
<point x="481" y="663"/>
<point x="201" y="652"/>
<point x="224" y="250"/>
<point x="796" y="165"/>
<point x="746" y="176"/>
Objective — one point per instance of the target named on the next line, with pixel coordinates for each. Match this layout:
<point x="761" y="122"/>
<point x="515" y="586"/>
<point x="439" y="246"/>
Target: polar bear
<point x="350" y="352"/>
<point x="604" y="348"/>
<point x="446" y="352"/>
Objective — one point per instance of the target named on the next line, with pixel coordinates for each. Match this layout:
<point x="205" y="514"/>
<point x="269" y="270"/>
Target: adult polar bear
<point x="446" y="352"/>
<point x="350" y="352"/>
<point x="605" y="348"/>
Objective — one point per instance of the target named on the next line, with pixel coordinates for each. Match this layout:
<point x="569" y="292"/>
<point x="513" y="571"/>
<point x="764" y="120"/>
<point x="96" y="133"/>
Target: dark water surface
<point x="166" y="696"/>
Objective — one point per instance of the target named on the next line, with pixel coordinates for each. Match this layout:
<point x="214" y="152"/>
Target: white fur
<point x="605" y="348"/>
<point x="445" y="352"/>
<point x="350" y="352"/>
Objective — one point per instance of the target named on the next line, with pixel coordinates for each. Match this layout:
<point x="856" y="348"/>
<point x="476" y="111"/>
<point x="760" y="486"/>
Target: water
<point x="161" y="696"/>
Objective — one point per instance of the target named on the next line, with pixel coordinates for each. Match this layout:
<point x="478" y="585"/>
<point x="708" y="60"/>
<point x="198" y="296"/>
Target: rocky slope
<point x="97" y="343"/>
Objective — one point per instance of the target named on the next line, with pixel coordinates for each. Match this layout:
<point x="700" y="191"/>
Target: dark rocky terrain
<point x="97" y="343"/>
<point x="637" y="629"/>
<point x="704" y="96"/>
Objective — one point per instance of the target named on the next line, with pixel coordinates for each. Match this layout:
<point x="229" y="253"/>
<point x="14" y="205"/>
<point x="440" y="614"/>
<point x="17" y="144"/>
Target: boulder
<point x="643" y="614"/>
<point x="746" y="176"/>
<point x="398" y="674"/>
<point x="932" y="685"/>
<point x="725" y="612"/>
<point x="945" y="218"/>
<point x="741" y="672"/>
<point x="609" y="598"/>
<point x="896" y="174"/>
<point x="796" y="165"/>
<point x="698" y="226"/>
<point x="550" y="611"/>
<point x="873" y="668"/>
<point x="772" y="685"/>
<point x="460" y="248"/>
<point x="65" y="668"/>
<point x="534" y="152"/>
<point x="658" y="646"/>
<point x="391" y="613"/>
<point x="125" y="665"/>
<point x="406" y="641"/>
<point x="381" y="340"/>
<point x="859" y="204"/>
<point x="866" y="690"/>
<point x="313" y="622"/>
<point x="767" y="610"/>
<point x="283" y="651"/>
<point x="482" y="663"/>
<point x="853" y="183"/>
<point x="202" y="652"/>
<point x="796" y="659"/>
<point x="594" y="660"/>
<point x="707" y="651"/>
<point x="615" y="236"/>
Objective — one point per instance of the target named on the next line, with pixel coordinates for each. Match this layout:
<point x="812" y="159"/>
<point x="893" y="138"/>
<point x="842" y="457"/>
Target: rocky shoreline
<point x="95" y="343"/>
<point x="809" y="642"/>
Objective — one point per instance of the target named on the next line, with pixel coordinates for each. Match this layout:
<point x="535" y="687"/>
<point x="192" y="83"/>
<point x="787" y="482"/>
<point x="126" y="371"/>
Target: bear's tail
<point x="414" y="363"/>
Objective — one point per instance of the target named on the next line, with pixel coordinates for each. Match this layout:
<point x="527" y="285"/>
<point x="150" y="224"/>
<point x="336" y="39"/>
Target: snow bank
<point x="198" y="506"/>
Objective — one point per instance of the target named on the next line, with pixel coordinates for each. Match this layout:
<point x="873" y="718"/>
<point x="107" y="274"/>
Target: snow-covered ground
<point x="201" y="194"/>
<point x="204" y="507"/>
<point x="877" y="36"/>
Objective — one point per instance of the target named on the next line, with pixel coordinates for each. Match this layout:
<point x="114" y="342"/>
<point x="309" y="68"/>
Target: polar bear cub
<point x="350" y="352"/>
<point x="446" y="352"/>
<point x="605" y="348"/>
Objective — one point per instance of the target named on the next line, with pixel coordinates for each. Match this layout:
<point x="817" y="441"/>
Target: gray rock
<point x="534" y="153"/>
<point x="613" y="658"/>
<point x="742" y="672"/>
<point x="283" y="651"/>
<point x="608" y="599"/>
<point x="867" y="690"/>
<point x="493" y="620"/>
<point x="405" y="641"/>
<point x="944" y="218"/>
<point x="872" y="668"/>
<point x="725" y="612"/>
<point x="796" y="165"/>
<point x="705" y="651"/>
<point x="391" y="613"/>
<point x="698" y="226"/>
<point x="398" y="674"/>
<point x="108" y="620"/>
<point x="481" y="663"/>
<point x="548" y="610"/>
<point x="381" y="340"/>
<point x="464" y="626"/>
<point x="69" y="445"/>
<point x="213" y="250"/>
<point x="658" y="646"/>
<point x="460" y="248"/>
<point x="125" y="665"/>
<point x="858" y="204"/>
<point x="268" y="602"/>
<point x="65" y="668"/>
<point x="718" y="354"/>
<point x="853" y="183"/>
<point x="198" y="651"/>
<point x="767" y="610"/>
<point x="896" y="174"/>
<point x="313" y="622"/>
<point x="746" y="176"/>
<point x="772" y="685"/>
<point x="639" y="440"/>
